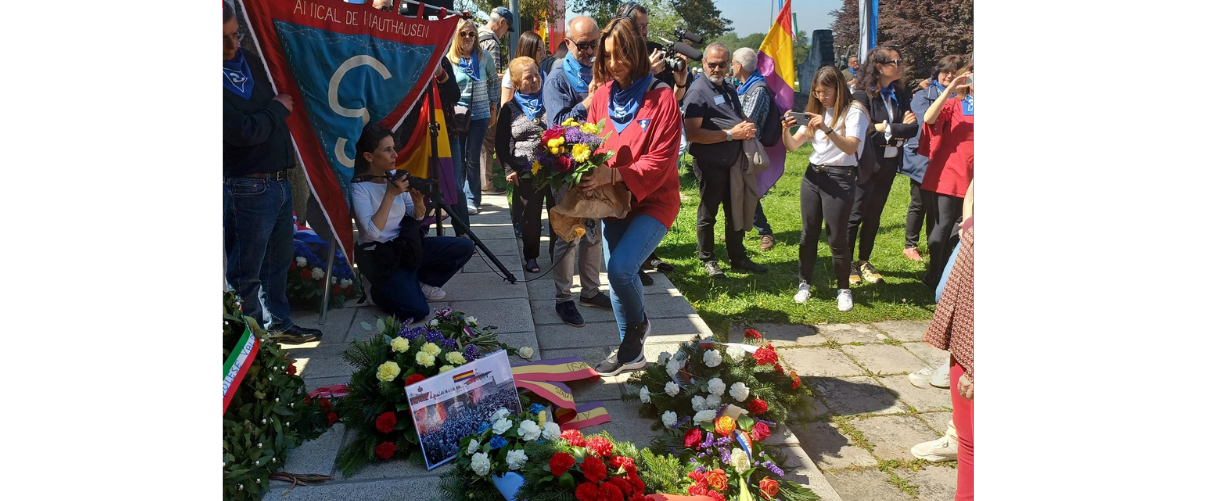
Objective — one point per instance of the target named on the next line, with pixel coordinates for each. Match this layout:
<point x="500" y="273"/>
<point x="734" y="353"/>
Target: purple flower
<point x="725" y="456"/>
<point x="410" y="333"/>
<point x="448" y="343"/>
<point x="470" y="353"/>
<point x="434" y="337"/>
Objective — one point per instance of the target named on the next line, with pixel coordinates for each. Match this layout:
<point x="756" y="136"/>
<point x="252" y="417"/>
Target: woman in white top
<point x="387" y="215"/>
<point x="530" y="45"/>
<point x="836" y="129"/>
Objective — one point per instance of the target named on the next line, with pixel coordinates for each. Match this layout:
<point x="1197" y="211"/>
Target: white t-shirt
<point x="506" y="80"/>
<point x="365" y="199"/>
<point x="827" y="153"/>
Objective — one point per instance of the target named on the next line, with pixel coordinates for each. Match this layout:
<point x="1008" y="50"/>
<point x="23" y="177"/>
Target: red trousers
<point x="964" y="422"/>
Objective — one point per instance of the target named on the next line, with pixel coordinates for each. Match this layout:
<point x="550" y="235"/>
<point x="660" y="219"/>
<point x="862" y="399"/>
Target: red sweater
<point x="951" y="151"/>
<point x="646" y="153"/>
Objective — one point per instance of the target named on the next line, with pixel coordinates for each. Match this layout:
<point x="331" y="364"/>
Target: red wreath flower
<point x="715" y="495"/>
<point x="331" y="418"/>
<point x="594" y="469"/>
<point x="609" y="492"/>
<point x="637" y="484"/>
<point x="697" y="490"/>
<point x="752" y="334"/>
<point x="621" y="462"/>
<point x="386" y="450"/>
<point x="324" y="404"/>
<point x="760" y="432"/>
<point x="564" y="164"/>
<point x="599" y="446"/>
<point x="778" y="368"/>
<point x="768" y="488"/>
<point x="695" y="475"/>
<point x="560" y="463"/>
<point x="622" y="484"/>
<point x="337" y="290"/>
<point x="757" y="406"/>
<point x="574" y="438"/>
<point x="794" y="380"/>
<point x="414" y="379"/>
<point x="292" y="369"/>
<point x="293" y="265"/>
<point x="386" y="422"/>
<point x="717" y="479"/>
<point x="305" y="274"/>
<point x="765" y="356"/>
<point x="694" y="437"/>
<point x="586" y="492"/>
<point x="637" y="497"/>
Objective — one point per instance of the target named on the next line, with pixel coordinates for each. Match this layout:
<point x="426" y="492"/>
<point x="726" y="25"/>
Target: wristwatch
<point x="729" y="133"/>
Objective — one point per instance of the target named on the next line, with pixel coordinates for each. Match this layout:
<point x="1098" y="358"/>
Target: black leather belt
<point x="279" y="175"/>
<point x="837" y="168"/>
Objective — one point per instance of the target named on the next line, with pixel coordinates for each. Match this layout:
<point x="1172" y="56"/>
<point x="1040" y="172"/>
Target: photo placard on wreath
<point x="452" y="405"/>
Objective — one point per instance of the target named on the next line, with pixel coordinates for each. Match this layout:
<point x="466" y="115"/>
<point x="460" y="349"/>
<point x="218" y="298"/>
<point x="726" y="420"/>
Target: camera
<point x="425" y="186"/>
<point x="672" y="49"/>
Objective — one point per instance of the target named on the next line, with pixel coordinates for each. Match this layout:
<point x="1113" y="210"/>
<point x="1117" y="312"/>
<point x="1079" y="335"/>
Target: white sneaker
<point x="472" y="210"/>
<point x="941" y="376"/>
<point x="942" y="449"/>
<point x="432" y="292"/>
<point x="921" y="378"/>
<point x="845" y="300"/>
<point x="805" y="292"/>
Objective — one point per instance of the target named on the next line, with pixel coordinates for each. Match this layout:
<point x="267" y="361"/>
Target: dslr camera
<point x="672" y="49"/>
<point x="425" y="186"/>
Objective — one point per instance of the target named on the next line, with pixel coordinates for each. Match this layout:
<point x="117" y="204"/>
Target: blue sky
<point x="754" y="16"/>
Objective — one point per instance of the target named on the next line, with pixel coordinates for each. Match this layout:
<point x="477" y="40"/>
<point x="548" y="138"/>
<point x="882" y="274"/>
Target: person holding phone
<point x="836" y="127"/>
<point x="949" y="142"/>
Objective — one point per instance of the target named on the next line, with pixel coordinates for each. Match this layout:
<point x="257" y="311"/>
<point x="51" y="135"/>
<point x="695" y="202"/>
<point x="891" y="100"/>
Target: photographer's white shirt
<point x="366" y="199"/>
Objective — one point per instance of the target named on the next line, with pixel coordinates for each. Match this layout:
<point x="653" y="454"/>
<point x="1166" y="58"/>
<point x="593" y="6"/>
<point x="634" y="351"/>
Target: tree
<point x="923" y="30"/>
<point x="698" y="16"/>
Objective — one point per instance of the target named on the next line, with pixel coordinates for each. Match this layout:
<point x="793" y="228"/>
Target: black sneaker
<point x="296" y="335"/>
<point x="645" y="279"/>
<point x="713" y="269"/>
<point x="655" y="263"/>
<point x="599" y="300"/>
<point x="569" y="314"/>
<point x="748" y="265"/>
<point x="631" y="349"/>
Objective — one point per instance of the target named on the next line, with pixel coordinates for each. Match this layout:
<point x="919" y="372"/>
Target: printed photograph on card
<point x="452" y="405"/>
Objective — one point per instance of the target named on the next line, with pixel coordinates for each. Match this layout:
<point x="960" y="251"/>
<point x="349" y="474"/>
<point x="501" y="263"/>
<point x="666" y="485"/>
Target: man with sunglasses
<point x="567" y="93"/>
<point x="715" y="125"/>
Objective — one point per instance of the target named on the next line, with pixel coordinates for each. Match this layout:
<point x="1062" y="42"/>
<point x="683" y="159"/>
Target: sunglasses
<point x="894" y="61"/>
<point x="716" y="66"/>
<point x="468" y="34"/>
<point x="238" y="37"/>
<point x="586" y="45"/>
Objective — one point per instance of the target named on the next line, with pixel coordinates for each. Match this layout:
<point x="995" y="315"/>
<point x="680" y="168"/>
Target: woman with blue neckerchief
<point x="522" y="123"/>
<point x="479" y="95"/>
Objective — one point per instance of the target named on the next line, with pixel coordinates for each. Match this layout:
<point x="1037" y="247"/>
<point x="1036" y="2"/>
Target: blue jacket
<point x="560" y="100"/>
<point x="914" y="165"/>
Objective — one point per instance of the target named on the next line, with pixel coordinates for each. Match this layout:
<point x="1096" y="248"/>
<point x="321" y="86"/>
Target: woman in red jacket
<point x="645" y="130"/>
<point x="949" y="142"/>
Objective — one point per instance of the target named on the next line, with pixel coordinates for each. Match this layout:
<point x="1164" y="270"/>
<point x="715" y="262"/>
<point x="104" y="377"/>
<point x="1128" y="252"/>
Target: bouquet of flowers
<point x="566" y="153"/>
<point x="401" y="355"/>
<point x="596" y="468"/>
<point x="306" y="276"/>
<point x="703" y="376"/>
<point x="494" y="455"/>
<point x="726" y="461"/>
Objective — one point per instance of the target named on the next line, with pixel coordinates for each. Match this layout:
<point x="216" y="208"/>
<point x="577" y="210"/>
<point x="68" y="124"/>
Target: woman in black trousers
<point x="520" y="127"/>
<point x="879" y="89"/>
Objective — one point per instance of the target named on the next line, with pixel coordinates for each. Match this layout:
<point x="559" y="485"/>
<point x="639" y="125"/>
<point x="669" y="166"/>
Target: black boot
<point x="631" y="351"/>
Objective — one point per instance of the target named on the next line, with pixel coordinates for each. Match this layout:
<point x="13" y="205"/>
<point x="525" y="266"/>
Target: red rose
<point x="586" y="492"/>
<point x="560" y="463"/>
<point x="765" y="356"/>
<point x="337" y="290"/>
<point x="752" y="334"/>
<point x="757" y="406"/>
<point x="564" y="164"/>
<point x="694" y="437"/>
<point x="760" y="432"/>
<point x="386" y="450"/>
<point x="609" y="492"/>
<point x="768" y="487"/>
<point x="594" y="469"/>
<point x="553" y="133"/>
<point x="622" y="484"/>
<point x="386" y="422"/>
<point x="574" y="438"/>
<point x="414" y="379"/>
<point x="293" y="370"/>
<point x="717" y="479"/>
<point x="324" y="404"/>
<point x="599" y="446"/>
<point x="305" y="274"/>
<point x="331" y="418"/>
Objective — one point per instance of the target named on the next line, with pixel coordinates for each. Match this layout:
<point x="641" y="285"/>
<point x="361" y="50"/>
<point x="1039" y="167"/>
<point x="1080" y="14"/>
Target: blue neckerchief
<point x="471" y="66"/>
<point x="579" y="76"/>
<point x="532" y="104"/>
<point x="236" y="75"/>
<point x="852" y="71"/>
<point x="624" y="103"/>
<point x="889" y="92"/>
<point x="753" y="79"/>
<point x="940" y="88"/>
<point x="968" y="106"/>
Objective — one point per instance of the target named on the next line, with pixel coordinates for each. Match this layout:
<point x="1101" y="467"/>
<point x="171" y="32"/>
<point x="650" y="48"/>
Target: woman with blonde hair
<point x="478" y="106"/>
<point x="837" y="130"/>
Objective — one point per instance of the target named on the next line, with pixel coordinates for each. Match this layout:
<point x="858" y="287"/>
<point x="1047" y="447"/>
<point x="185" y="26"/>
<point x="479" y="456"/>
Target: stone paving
<point x="855" y="445"/>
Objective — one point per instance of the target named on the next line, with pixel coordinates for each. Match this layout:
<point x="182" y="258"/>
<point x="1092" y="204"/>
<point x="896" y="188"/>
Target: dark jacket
<point x="255" y="137"/>
<point x="915" y="164"/>
<point x="899" y="131"/>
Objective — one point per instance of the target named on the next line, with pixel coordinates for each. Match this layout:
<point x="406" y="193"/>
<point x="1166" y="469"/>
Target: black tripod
<point x="436" y="195"/>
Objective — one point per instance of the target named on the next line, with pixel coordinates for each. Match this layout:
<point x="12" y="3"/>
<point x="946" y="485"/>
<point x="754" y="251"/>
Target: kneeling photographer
<point x="405" y="268"/>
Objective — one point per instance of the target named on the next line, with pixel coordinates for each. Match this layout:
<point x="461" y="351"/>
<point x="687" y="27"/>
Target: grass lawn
<point x="747" y="298"/>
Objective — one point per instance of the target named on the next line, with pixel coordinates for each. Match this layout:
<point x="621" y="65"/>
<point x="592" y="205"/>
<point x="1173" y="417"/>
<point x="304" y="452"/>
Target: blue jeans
<point x="760" y="223"/>
<point x="461" y="207"/>
<point x="258" y="227"/>
<point x="945" y="274"/>
<point x="626" y="244"/>
<point x="400" y="293"/>
<point x="472" y="160"/>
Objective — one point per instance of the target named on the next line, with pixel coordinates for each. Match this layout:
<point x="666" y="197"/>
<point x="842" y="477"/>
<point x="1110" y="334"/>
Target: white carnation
<point x="713" y="402"/>
<point x="698" y="403"/>
<point x="551" y="431"/>
<point x="529" y="430"/>
<point x="345" y="283"/>
<point x="473" y="446"/>
<point x="481" y="464"/>
<point x="318" y="273"/>
<point x="736" y="353"/>
<point x="716" y="386"/>
<point x="712" y="358"/>
<point x="672" y="367"/>
<point x="669" y="418"/>
<point x="301" y="262"/>
<point x="706" y="416"/>
<point x="501" y="425"/>
<point x="471" y="320"/>
<point x="499" y="414"/>
<point x="516" y="459"/>
<point x="433" y="322"/>
<point x="644" y="394"/>
<point x="739" y="391"/>
<point x="663" y="358"/>
<point x="526" y="352"/>
<point x="671" y="388"/>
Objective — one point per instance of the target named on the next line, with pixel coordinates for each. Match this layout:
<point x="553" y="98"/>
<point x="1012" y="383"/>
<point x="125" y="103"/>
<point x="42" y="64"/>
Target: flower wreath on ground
<point x="306" y="277"/>
<point x="597" y="468"/>
<point x="400" y="355"/>
<point x="268" y="413"/>
<point x="494" y="455"/>
<point x="726" y="460"/>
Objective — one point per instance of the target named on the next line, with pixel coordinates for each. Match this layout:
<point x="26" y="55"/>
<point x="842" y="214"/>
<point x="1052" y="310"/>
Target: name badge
<point x="720" y="99"/>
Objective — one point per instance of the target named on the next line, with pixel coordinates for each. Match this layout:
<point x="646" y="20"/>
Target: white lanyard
<point x="887" y="104"/>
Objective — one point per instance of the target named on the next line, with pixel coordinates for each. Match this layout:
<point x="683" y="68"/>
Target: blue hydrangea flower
<point x="536" y="408"/>
<point x="497" y="442"/>
<point x="484" y="425"/>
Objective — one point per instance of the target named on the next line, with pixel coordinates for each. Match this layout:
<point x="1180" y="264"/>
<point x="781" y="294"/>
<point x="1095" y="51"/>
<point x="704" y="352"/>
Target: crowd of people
<point x="464" y="418"/>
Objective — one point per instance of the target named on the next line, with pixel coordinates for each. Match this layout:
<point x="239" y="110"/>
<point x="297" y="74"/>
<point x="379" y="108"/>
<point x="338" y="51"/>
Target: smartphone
<point x="801" y="118"/>
<point x="970" y="79"/>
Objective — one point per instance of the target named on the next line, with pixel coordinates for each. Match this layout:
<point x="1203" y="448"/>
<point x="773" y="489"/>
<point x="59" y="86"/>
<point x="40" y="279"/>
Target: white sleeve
<point x="506" y="80"/>
<point x="361" y="202"/>
<point x="855" y="123"/>
<point x="409" y="201"/>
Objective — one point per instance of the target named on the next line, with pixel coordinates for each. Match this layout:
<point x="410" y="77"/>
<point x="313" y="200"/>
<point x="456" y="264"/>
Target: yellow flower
<point x="556" y="141"/>
<point x="445" y="368"/>
<point x="424" y="359"/>
<point x="431" y="349"/>
<point x="570" y="122"/>
<point x="388" y="371"/>
<point x="535" y="167"/>
<point x="455" y="357"/>
<point x="554" y="150"/>
<point x="581" y="152"/>
<point x="590" y="128"/>
<point x="400" y="344"/>
<point x="725" y="425"/>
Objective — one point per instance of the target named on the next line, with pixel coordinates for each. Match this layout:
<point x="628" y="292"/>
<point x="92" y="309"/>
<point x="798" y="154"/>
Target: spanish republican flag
<point x="462" y="376"/>
<point x="415" y="156"/>
<point x="776" y="62"/>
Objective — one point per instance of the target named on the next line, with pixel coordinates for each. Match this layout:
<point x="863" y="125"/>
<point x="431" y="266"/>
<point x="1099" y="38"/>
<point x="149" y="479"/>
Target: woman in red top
<point x="645" y="130"/>
<point x="949" y="142"/>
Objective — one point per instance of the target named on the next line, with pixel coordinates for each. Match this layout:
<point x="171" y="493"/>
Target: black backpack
<point x="771" y="126"/>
